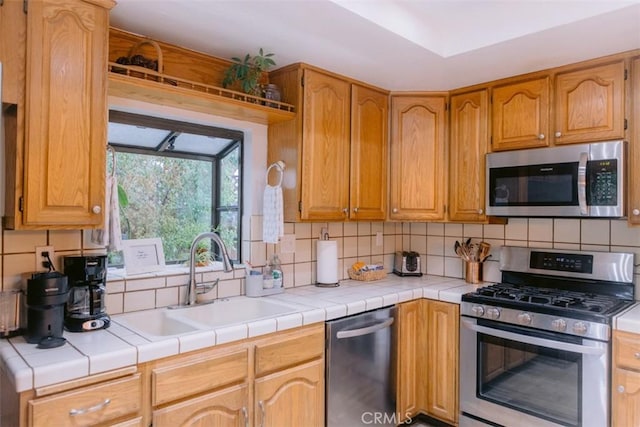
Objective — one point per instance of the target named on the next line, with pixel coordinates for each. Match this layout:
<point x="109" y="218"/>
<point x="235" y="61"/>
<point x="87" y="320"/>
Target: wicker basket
<point x="367" y="276"/>
<point x="135" y="60"/>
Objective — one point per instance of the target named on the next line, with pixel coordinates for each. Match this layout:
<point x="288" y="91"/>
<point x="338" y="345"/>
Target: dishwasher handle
<point x="350" y="333"/>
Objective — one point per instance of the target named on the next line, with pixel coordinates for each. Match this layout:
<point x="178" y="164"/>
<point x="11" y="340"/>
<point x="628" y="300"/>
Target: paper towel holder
<point x="324" y="235"/>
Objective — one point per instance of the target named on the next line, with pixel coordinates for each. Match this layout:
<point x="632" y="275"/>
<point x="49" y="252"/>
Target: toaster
<point x="407" y="263"/>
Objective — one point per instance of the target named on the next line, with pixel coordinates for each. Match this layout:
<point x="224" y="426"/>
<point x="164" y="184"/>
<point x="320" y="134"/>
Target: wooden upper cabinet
<point x="520" y="114"/>
<point x="325" y="155"/>
<point x="369" y="130"/>
<point x="590" y="104"/>
<point x="66" y="115"/>
<point x="13" y="34"/>
<point x="469" y="142"/>
<point x="418" y="157"/>
<point x="634" y="146"/>
<point x="335" y="150"/>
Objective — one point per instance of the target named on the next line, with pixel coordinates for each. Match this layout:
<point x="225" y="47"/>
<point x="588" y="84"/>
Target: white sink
<point x="234" y="310"/>
<point x="155" y="324"/>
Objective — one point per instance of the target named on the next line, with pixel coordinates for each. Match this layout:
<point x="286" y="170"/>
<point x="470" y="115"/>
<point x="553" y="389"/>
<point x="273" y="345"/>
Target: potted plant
<point x="248" y="72"/>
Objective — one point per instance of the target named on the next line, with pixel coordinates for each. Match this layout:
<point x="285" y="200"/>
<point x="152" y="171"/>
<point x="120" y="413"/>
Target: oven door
<point x="511" y="376"/>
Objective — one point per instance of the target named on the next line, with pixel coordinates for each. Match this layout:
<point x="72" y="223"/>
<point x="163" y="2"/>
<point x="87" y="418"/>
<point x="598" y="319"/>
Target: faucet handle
<point x="205" y="288"/>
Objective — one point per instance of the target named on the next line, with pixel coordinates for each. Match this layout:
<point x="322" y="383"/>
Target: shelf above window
<point x="149" y="86"/>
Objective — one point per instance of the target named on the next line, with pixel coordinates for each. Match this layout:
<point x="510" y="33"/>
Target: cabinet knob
<point x="345" y="211"/>
<point x="355" y="210"/>
<point x="620" y="389"/>
<point x="636" y="212"/>
<point x="558" y="134"/>
<point x="541" y="136"/>
<point x="395" y="210"/>
<point x="637" y="355"/>
<point x="480" y="211"/>
<point x="96" y="209"/>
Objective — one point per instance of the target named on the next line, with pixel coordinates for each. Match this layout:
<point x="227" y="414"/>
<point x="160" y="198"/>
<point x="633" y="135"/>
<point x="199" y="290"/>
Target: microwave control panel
<point x="602" y="188"/>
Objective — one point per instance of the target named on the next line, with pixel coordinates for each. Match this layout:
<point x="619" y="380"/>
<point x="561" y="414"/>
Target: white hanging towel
<point x="272" y="216"/>
<point x="111" y="235"/>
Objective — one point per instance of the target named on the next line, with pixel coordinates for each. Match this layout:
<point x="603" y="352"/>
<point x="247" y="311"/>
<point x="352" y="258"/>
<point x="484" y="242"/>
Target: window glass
<point x="178" y="180"/>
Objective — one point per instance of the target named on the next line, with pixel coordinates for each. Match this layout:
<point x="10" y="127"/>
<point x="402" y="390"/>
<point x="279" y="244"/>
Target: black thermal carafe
<point x="47" y="294"/>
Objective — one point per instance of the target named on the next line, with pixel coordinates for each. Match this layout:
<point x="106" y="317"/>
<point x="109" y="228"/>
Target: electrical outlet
<point x="40" y="260"/>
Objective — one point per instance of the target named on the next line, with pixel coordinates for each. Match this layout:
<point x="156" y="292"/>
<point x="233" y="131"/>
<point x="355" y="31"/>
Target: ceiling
<point x="396" y="44"/>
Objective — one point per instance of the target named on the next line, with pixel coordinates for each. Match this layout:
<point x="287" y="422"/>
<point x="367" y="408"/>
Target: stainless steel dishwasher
<point x="360" y="378"/>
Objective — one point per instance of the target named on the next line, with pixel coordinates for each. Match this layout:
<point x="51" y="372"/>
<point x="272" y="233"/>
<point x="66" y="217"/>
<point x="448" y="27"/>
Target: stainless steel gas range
<point x="535" y="348"/>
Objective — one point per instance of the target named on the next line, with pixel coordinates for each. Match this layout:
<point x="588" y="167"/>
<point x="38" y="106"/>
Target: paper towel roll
<point x="327" y="265"/>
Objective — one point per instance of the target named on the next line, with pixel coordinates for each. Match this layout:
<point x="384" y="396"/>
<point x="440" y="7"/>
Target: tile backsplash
<point x="371" y="242"/>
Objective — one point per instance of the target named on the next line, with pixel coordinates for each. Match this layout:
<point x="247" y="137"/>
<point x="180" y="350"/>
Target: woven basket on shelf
<point x="366" y="276"/>
<point x="136" y="60"/>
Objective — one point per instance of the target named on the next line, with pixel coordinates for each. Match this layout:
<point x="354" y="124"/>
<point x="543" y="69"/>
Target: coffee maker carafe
<point x="85" y="309"/>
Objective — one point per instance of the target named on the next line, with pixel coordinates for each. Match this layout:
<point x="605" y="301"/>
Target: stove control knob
<point x="580" y="328"/>
<point x="524" y="318"/>
<point x="559" y="325"/>
<point x="493" y="313"/>
<point x="478" y="310"/>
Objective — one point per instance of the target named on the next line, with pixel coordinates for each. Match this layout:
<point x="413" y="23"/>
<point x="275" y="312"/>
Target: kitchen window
<point x="176" y="180"/>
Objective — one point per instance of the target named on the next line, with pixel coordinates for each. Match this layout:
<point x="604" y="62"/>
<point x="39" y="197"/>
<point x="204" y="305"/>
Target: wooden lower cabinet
<point x="625" y="385"/>
<point x="293" y="397"/>
<point x="428" y="359"/>
<point x="223" y="408"/>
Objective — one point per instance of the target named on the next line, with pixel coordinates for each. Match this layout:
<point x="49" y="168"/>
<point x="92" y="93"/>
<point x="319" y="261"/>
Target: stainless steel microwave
<point x="584" y="180"/>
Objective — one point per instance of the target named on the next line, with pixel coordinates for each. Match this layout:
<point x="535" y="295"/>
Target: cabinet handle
<point x="636" y="212"/>
<point x="558" y="134"/>
<point x="262" y="415"/>
<point x="395" y="210"/>
<point x="76" y="412"/>
<point x="245" y="414"/>
<point x="345" y="211"/>
<point x="355" y="210"/>
<point x="620" y="389"/>
<point x="541" y="136"/>
<point x="96" y="209"/>
<point x="480" y="211"/>
<point x="636" y="355"/>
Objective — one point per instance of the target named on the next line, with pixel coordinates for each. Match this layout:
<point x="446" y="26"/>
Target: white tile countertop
<point x="629" y="320"/>
<point x="98" y="351"/>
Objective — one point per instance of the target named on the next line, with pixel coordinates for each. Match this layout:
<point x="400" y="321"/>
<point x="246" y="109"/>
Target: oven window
<point x="536" y="380"/>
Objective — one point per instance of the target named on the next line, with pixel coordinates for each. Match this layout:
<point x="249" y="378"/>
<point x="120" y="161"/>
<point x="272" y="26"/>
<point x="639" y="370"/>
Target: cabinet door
<point x="442" y="361"/>
<point x="409" y="350"/>
<point x="66" y="110"/>
<point x="13" y="34"/>
<point x="291" y="398"/>
<point x="520" y="114"/>
<point x="590" y="104"/>
<point x="325" y="153"/>
<point x="418" y="158"/>
<point x="625" y="398"/>
<point x="469" y="143"/>
<point x="225" y="408"/>
<point x="369" y="116"/>
<point x="634" y="146"/>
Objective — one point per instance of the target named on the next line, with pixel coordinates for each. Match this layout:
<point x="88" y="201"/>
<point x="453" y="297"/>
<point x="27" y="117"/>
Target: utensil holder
<point x="472" y="272"/>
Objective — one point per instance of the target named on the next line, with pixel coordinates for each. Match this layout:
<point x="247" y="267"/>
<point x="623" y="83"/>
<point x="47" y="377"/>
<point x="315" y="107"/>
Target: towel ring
<point x="279" y="165"/>
<point x="112" y="151"/>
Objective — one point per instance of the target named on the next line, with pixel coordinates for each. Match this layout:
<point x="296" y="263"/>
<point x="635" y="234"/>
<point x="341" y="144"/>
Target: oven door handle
<point x="543" y="342"/>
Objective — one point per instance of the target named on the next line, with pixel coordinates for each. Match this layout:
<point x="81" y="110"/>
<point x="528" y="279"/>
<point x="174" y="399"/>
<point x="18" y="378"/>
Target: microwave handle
<point x="582" y="183"/>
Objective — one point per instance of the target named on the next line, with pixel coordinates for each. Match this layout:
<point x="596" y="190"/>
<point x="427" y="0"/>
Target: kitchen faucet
<point x="191" y="290"/>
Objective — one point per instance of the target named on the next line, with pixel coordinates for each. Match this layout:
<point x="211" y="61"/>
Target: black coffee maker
<point x="46" y="296"/>
<point x="85" y="309"/>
